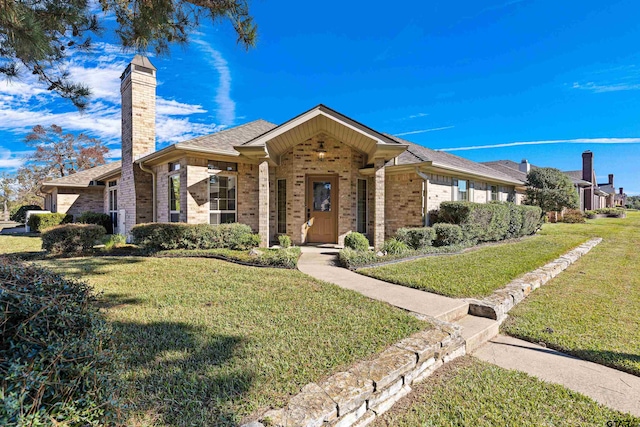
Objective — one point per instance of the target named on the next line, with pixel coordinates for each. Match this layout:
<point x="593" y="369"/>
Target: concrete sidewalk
<point x="610" y="387"/>
<point x="319" y="262"/>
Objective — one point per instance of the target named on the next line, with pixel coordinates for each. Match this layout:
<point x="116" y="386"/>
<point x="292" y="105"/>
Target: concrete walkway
<point x="320" y="262"/>
<point x="610" y="387"/>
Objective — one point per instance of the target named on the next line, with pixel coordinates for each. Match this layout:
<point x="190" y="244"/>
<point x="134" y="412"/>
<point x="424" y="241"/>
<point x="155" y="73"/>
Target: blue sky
<point x="447" y="75"/>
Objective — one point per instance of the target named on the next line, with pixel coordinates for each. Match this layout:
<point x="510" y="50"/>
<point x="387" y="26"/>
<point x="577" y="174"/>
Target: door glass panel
<point x="322" y="196"/>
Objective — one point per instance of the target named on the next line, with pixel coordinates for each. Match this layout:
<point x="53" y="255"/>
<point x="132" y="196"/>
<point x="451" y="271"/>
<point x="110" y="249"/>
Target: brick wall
<point x="403" y="202"/>
<point x="75" y="201"/>
<point x="248" y="195"/>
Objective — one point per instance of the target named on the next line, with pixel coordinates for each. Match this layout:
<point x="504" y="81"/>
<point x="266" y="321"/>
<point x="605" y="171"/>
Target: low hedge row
<point x="157" y="237"/>
<point x="72" y="239"/>
<point x="609" y="212"/>
<point x="487" y="222"/>
<point x="55" y="354"/>
<point x="279" y="258"/>
<point x="354" y="259"/>
<point x="40" y="222"/>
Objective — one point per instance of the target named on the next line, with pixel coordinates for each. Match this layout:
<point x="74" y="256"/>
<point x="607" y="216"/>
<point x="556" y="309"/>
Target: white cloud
<point x="603" y="88"/>
<point x="415" y="116"/>
<point x="11" y="160"/>
<point x="413" y="132"/>
<point x="226" y="105"/>
<point x="552" y="141"/>
<point x="25" y="102"/>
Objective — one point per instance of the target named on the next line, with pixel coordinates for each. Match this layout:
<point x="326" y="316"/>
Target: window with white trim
<point x="222" y="199"/>
<point x="495" y="193"/>
<point x="174" y="198"/>
<point x="282" y="206"/>
<point x="463" y="190"/>
<point x="361" y="206"/>
<point x="113" y="204"/>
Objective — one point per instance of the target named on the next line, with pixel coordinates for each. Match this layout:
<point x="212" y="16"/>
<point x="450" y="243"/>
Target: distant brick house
<point x="316" y="177"/>
<point x="591" y="194"/>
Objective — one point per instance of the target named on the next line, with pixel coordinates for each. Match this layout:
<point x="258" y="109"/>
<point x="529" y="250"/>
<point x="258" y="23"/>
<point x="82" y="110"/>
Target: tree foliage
<point x="633" y="202"/>
<point x="37" y="36"/>
<point x="551" y="190"/>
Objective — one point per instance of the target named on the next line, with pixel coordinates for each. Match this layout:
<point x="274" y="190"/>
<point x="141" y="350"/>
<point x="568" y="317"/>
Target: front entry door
<point x="322" y="209"/>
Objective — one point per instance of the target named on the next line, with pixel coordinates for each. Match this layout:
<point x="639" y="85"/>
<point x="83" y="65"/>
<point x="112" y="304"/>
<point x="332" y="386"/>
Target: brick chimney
<point x="524" y="166"/>
<point x="611" y="179"/>
<point x="587" y="166"/>
<point x="621" y="191"/>
<point x="138" y="92"/>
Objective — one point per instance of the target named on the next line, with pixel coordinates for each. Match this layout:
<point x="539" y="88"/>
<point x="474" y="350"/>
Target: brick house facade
<point x="315" y="178"/>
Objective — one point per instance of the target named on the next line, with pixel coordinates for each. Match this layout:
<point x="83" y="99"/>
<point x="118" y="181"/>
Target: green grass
<point x="468" y="392"/>
<point x="10" y="244"/>
<point x="592" y="310"/>
<point x="207" y="342"/>
<point x="481" y="271"/>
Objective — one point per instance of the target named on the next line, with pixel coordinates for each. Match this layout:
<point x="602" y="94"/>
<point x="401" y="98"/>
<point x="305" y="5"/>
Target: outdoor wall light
<point x="321" y="151"/>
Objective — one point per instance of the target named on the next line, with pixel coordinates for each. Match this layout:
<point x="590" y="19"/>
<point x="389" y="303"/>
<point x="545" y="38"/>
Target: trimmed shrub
<point x="55" y="351"/>
<point x="157" y="237"/>
<point x="481" y="222"/>
<point x="611" y="212"/>
<point x="284" y="241"/>
<point x="351" y="258"/>
<point x="43" y="221"/>
<point x="356" y="241"/>
<point x="395" y="247"/>
<point x="281" y="258"/>
<point x="573" y="216"/>
<point x="532" y="219"/>
<point x="515" y="221"/>
<point x="96" y="218"/>
<point x="448" y="234"/>
<point x="71" y="238"/>
<point x="416" y="238"/>
<point x="19" y="213"/>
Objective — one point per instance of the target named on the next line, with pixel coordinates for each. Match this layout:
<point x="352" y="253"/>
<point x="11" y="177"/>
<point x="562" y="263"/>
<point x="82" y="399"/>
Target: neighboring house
<point x="620" y="199"/>
<point x="591" y="194"/>
<point x="316" y="177"/>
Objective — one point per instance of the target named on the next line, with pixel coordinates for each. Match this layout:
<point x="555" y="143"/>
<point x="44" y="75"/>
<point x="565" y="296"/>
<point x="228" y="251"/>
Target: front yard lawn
<point x="207" y="342"/>
<point x="481" y="271"/>
<point x="592" y="310"/>
<point x="468" y="392"/>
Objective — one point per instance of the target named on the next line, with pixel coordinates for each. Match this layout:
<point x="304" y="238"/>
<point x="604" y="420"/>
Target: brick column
<point x="263" y="203"/>
<point x="378" y="203"/>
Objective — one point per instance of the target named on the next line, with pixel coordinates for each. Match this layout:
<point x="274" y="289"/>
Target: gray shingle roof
<point x="418" y="153"/>
<point x="83" y="178"/>
<point x="226" y="139"/>
<point x="508" y="167"/>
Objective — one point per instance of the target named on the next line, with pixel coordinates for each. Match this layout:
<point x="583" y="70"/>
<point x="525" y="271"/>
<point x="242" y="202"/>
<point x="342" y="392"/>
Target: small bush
<point x="55" y="358"/>
<point x="114" y="241"/>
<point x="481" y="222"/>
<point x="19" y="213"/>
<point x="356" y="241"/>
<point x="71" y="238"/>
<point x="532" y="219"/>
<point x="416" y="238"/>
<point x="43" y="221"/>
<point x="573" y="216"/>
<point x="157" y="237"/>
<point x="284" y="241"/>
<point x="96" y="218"/>
<point x="394" y="247"/>
<point x="351" y="258"/>
<point x="448" y="234"/>
<point x="282" y="258"/>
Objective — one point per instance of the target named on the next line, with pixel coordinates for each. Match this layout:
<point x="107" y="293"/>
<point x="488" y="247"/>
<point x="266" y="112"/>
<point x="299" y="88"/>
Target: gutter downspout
<point x="425" y="188"/>
<point x="153" y="191"/>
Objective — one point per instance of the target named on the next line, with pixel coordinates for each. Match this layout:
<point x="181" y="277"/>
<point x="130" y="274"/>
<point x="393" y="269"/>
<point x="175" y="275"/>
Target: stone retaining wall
<point x="501" y="301"/>
<point x="356" y="397"/>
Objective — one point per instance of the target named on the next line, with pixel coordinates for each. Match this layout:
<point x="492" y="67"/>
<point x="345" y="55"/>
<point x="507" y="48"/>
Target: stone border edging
<point x="497" y="305"/>
<point x="370" y="388"/>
